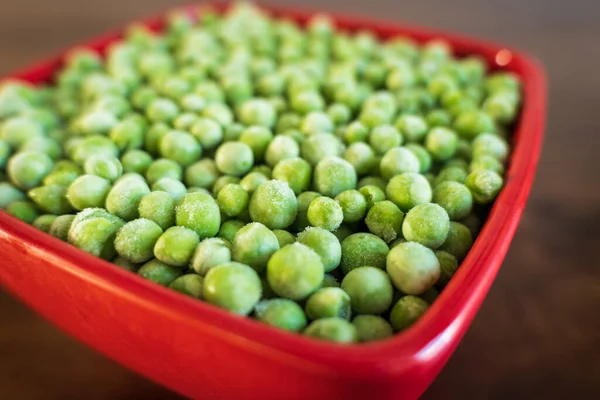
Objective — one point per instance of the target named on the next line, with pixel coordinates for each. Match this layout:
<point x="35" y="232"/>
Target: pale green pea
<point x="125" y="196"/>
<point x="88" y="191"/>
<point x="51" y="199"/>
<point x="163" y="168"/>
<point x="210" y="253"/>
<point x="384" y="219"/>
<point x="176" y="246"/>
<point x="199" y="212"/>
<point x="158" y="207"/>
<point x="201" y="174"/>
<point x="136" y="239"/>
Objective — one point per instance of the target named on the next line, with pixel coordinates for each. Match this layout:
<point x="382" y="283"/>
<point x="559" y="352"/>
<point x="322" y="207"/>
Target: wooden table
<point x="537" y="334"/>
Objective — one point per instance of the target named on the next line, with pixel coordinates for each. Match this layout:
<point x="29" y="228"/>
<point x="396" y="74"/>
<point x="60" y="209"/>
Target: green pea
<point x="44" y="222"/>
<point x="176" y="246"/>
<point x="180" y="147"/>
<point x="127" y="135"/>
<point x="409" y="190"/>
<point x="372" y="328"/>
<point x="125" y="196"/>
<point x="471" y="123"/>
<point x="163" y="168"/>
<point x="39" y="144"/>
<point x="385" y="220"/>
<point x="258" y="138"/>
<point x="61" y="226"/>
<point x="363" y="249"/>
<point x="325" y="213"/>
<point x="17" y="130"/>
<point x="200" y="213"/>
<point x="24" y="210"/>
<point x="333" y="175"/>
<point x="361" y="156"/>
<point x="191" y="285"/>
<point x="282" y="313"/>
<point x="162" y="110"/>
<point x="486" y="162"/>
<point x="451" y="174"/>
<point x="109" y="168"/>
<point x="407" y="311"/>
<point x="459" y="240"/>
<point x="398" y="160"/>
<point x="202" y="174"/>
<point x="223" y="181"/>
<point x="274" y="205"/>
<point x="234" y="158"/>
<point x="210" y="253"/>
<point x="158" y="207"/>
<point x="372" y="194"/>
<point x="370" y="290"/>
<point x="412" y="267"/>
<point x="88" y="191"/>
<point x="353" y="203"/>
<point x="448" y="266"/>
<point x="484" y="185"/>
<point x="327" y="303"/>
<point x="232" y="200"/>
<point x="136" y="239"/>
<point x="316" y="122"/>
<point x="51" y="199"/>
<point x="339" y="113"/>
<point x="356" y="132"/>
<point x="320" y="146"/>
<point x="153" y="136"/>
<point x="383" y="138"/>
<point x="332" y="329"/>
<point x="233" y="286"/>
<point x="455" y="198"/>
<point x="26" y="170"/>
<point x="159" y="272"/>
<point x="99" y="146"/>
<point x="208" y="132"/>
<point x="296" y="172"/>
<point x="413" y="128"/>
<point x="93" y="230"/>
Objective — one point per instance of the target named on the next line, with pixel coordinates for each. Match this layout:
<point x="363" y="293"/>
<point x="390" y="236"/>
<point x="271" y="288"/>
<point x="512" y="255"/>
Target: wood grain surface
<point x="537" y="334"/>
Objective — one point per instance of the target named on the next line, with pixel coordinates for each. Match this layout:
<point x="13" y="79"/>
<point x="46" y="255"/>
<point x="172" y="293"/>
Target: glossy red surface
<point x="204" y="352"/>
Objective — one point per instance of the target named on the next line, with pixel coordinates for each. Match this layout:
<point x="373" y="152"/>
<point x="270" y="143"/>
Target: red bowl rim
<point x="447" y="316"/>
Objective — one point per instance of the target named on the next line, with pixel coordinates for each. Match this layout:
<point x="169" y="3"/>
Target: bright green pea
<point x="385" y="220"/>
<point x="202" y="174"/>
<point x="296" y="172"/>
<point x="455" y="198"/>
<point x="372" y="195"/>
<point x="191" y="285"/>
<point x="304" y="200"/>
<point x="274" y="205"/>
<point x="208" y="132"/>
<point x="339" y="113"/>
<point x="180" y="147"/>
<point x="176" y="246"/>
<point x="17" y="130"/>
<point x="370" y="290"/>
<point x="24" y="210"/>
<point x="424" y="157"/>
<point x="88" y="191"/>
<point x="450" y="174"/>
<point x="96" y="122"/>
<point x="383" y="138"/>
<point x="223" y="181"/>
<point x="153" y="136"/>
<point x="232" y="200"/>
<point x="172" y="186"/>
<point x="40" y="144"/>
<point x="327" y="303"/>
<point x="490" y="145"/>
<point x="257" y="112"/>
<point x="9" y="194"/>
<point x="258" y="138"/>
<point x="93" y="146"/>
<point x="398" y="160"/>
<point x="282" y="313"/>
<point x="26" y="170"/>
<point x="426" y="223"/>
<point x="233" y="132"/>
<point x="408" y="190"/>
<point x="332" y="329"/>
<point x="127" y="135"/>
<point x="412" y="267"/>
<point x="484" y="185"/>
<point x="136" y="239"/>
<point x="109" y="168"/>
<point x="441" y="143"/>
<point x="470" y="123"/>
<point x="319" y="146"/>
<point x="158" y="207"/>
<point x="93" y="230"/>
<point x="281" y="148"/>
<point x="353" y="203"/>
<point x="372" y="328"/>
<point x="51" y="199"/>
<point x="159" y="272"/>
<point x="486" y="162"/>
<point x="233" y="286"/>
<point x="44" y="222"/>
<point x="162" y="110"/>
<point x="125" y="196"/>
<point x="295" y="271"/>
<point x="230" y="228"/>
<point x="502" y="106"/>
<point x="459" y="240"/>
<point x="326" y="213"/>
<point x="363" y="249"/>
<point x="325" y="244"/>
<point x="306" y="101"/>
<point x="200" y="213"/>
<point x="413" y="128"/>
<point x="333" y="175"/>
<point x="163" y="168"/>
<point x="356" y="132"/>
<point x="439" y="118"/>
<point x="407" y="311"/>
<point x="234" y="158"/>
<point x="361" y="156"/>
<point x="316" y="122"/>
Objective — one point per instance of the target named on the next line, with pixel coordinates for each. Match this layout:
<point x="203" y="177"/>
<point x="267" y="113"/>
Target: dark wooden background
<point x="537" y="334"/>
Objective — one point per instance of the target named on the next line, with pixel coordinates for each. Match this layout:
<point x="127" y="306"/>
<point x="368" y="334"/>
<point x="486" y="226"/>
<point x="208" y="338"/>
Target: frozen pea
<point x="127" y="135"/>
<point x="361" y="156"/>
<point x="44" y="222"/>
<point x="40" y="144"/>
<point x="296" y="172"/>
<point x="180" y="147"/>
<point x="136" y="161"/>
<point x="319" y="146"/>
<point x="202" y="174"/>
<point x="252" y="181"/>
<point x="257" y="112"/>
<point x="210" y="253"/>
<point x="450" y="174"/>
<point x="288" y="121"/>
<point x="356" y="132"/>
<point x="424" y="157"/>
<point x="486" y="162"/>
<point x="88" y="191"/>
<point x="254" y="244"/>
<point x="60" y="227"/>
<point x="258" y="139"/>
<point x="470" y="123"/>
<point x="370" y="290"/>
<point x="153" y="136"/>
<point x="281" y="148"/>
<point x="24" y="210"/>
<point x="208" y="132"/>
<point x="328" y="302"/>
<point x="332" y="329"/>
<point x="172" y="186"/>
<point x="412" y="267"/>
<point x="191" y="285"/>
<point x="304" y="200"/>
<point x="295" y="271"/>
<point x="234" y="158"/>
<point x="93" y="146"/>
<point x="383" y="138"/>
<point x="263" y="169"/>
<point x="353" y="203"/>
<point x="158" y="207"/>
<point x="284" y="237"/>
<point x="325" y="213"/>
<point x="484" y="185"/>
<point x="372" y="194"/>
<point x="282" y="313"/>
<point x="448" y="266"/>
<point x="274" y="205"/>
<point x="371" y="328"/>
<point x="159" y="272"/>
<point x="93" y="230"/>
<point x="316" y="122"/>
<point x="397" y="161"/>
<point x="17" y="130"/>
<point x="230" y="228"/>
<point x="199" y="212"/>
<point x="333" y="175"/>
<point x="330" y="281"/>
<point x="5" y="151"/>
<point x="162" y="110"/>
<point x="51" y="199"/>
<point x="363" y="249"/>
<point x="232" y="200"/>
<point x="176" y="246"/>
<point x="136" y="239"/>
<point x="439" y="117"/>
<point x="306" y="101"/>
<point x="385" y="219"/>
<point x="455" y="198"/>
<point x="163" y="168"/>
<point x="339" y="113"/>
<point x="491" y="145"/>
<point x="325" y="244"/>
<point x="407" y="311"/>
<point x="223" y="181"/>
<point x="126" y="265"/>
<point x="125" y="196"/>
<point x="408" y="190"/>
<point x="426" y="223"/>
<point x="413" y="128"/>
<point x="458" y="242"/>
<point x="109" y="168"/>
<point x="501" y="106"/>
<point x="26" y="170"/>
<point x="233" y="286"/>
<point x="184" y="122"/>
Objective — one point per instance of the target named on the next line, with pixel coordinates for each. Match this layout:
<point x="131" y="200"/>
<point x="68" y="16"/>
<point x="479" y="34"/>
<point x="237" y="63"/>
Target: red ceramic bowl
<point x="204" y="352"/>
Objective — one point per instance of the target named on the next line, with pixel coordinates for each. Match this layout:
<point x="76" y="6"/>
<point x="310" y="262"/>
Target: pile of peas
<point x="320" y="181"/>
